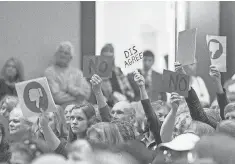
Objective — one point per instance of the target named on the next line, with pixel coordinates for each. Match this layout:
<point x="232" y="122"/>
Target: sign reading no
<point x="175" y="82"/>
<point x="100" y="65"/>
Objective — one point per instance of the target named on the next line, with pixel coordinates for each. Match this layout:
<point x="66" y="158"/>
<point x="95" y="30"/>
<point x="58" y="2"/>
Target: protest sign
<point x="175" y="82"/>
<point x="100" y="65"/>
<point x="34" y="96"/>
<point x="186" y="47"/>
<point x="132" y="59"/>
<point x="217" y="49"/>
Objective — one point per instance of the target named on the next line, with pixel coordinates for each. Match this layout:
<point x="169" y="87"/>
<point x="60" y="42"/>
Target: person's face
<point x="15" y="123"/>
<point x="148" y="62"/>
<point x="19" y="158"/>
<point x="161" y="113"/>
<point x="108" y="54"/>
<point x="3" y="111"/>
<point x="67" y="113"/>
<point x="63" y="57"/>
<point x="11" y="69"/>
<point x="191" y="69"/>
<point x="78" y="121"/>
<point x="230" y="116"/>
<point x="121" y="111"/>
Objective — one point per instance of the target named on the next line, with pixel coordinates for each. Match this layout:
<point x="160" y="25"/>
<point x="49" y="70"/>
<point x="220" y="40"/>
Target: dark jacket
<point x="156" y="88"/>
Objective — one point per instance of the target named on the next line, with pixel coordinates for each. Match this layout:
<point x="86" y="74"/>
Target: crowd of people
<point x="123" y="119"/>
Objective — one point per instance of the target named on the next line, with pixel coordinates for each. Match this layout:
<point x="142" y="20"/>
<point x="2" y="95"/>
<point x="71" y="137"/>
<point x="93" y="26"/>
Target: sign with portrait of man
<point x="217" y="50"/>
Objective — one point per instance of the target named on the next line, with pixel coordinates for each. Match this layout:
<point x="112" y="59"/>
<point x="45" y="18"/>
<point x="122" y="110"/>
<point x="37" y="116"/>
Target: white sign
<point x="34" y="96"/>
<point x="217" y="49"/>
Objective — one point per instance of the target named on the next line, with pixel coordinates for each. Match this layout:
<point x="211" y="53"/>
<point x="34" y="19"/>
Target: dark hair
<point x="107" y="48"/>
<point x="90" y="113"/>
<point x="219" y="52"/>
<point x="148" y="53"/>
<point x="226" y="127"/>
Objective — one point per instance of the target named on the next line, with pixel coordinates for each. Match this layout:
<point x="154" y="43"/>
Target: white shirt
<point x="200" y="88"/>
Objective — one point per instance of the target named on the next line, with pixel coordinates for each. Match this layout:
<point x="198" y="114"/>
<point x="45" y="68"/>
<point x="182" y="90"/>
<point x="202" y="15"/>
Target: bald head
<point x="123" y="110"/>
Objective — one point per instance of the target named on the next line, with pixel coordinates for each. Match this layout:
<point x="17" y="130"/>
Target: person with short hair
<point x="153" y="79"/>
<point x="67" y="83"/>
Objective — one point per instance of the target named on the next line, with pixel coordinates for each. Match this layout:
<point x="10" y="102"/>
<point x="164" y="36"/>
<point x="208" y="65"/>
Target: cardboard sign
<point x="100" y="65"/>
<point x="175" y="82"/>
<point x="34" y="96"/>
<point x="217" y="49"/>
<point x="132" y="59"/>
<point x="186" y="47"/>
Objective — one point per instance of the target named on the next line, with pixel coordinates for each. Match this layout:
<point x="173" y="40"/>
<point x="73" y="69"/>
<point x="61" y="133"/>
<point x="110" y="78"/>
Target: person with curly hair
<point x="7" y="104"/>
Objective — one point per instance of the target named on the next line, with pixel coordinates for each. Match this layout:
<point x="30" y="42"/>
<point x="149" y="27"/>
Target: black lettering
<point x="130" y="51"/>
<point x="173" y="81"/>
<point x="129" y="61"/>
<point x="91" y="66"/>
<point x="126" y="64"/>
<point x="136" y="57"/>
<point x="126" y="54"/>
<point x="141" y="55"/>
<point x="103" y="66"/>
<point x="185" y="84"/>
<point x="135" y="51"/>
<point x="133" y="59"/>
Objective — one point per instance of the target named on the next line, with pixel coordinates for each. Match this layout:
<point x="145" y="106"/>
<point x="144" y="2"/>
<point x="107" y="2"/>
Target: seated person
<point x="67" y="84"/>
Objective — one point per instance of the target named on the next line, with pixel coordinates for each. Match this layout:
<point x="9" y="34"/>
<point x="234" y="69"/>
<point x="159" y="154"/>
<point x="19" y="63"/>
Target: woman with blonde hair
<point x="7" y="104"/>
<point x="12" y="72"/>
<point x="105" y="132"/>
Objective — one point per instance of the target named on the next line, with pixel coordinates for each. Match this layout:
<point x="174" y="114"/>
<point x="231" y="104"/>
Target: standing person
<point x="118" y="83"/>
<point x="67" y="84"/>
<point x="12" y="72"/>
<point x="153" y="82"/>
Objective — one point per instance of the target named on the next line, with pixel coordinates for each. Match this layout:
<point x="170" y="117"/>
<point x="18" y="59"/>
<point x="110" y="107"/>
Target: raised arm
<point x="220" y="91"/>
<point x="196" y="111"/>
<point x="169" y="122"/>
<point x="60" y="97"/>
<point x="104" y="110"/>
<point x="148" y="109"/>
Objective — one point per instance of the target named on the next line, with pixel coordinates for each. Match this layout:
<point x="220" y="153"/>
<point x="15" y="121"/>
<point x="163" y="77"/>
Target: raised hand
<point x="179" y="68"/>
<point x="96" y="83"/>
<point x="43" y="120"/>
<point x="139" y="79"/>
<point x="175" y="100"/>
<point x="216" y="76"/>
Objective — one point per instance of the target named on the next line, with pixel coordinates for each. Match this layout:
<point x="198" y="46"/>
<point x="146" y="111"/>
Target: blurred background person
<point x="67" y="84"/>
<point x="7" y="104"/>
<point x="12" y="72"/>
<point x="153" y="80"/>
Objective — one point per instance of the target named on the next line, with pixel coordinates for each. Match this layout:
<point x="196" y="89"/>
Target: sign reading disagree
<point x="132" y="56"/>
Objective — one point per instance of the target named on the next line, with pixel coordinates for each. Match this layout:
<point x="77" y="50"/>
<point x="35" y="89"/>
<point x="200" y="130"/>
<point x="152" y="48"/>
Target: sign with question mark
<point x="34" y="96"/>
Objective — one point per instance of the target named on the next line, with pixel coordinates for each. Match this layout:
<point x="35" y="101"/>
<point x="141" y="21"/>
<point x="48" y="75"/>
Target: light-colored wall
<point x="204" y="16"/>
<point x="31" y="32"/>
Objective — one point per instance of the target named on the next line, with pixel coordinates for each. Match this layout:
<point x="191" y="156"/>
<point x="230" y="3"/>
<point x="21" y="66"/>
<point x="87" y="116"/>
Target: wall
<point x="205" y="17"/>
<point x="144" y="24"/>
<point x="31" y="32"/>
<point x="227" y="24"/>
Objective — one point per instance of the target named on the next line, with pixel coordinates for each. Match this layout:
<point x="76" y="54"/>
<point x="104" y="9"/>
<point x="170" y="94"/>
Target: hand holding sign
<point x="179" y="68"/>
<point x="43" y="120"/>
<point x="96" y="83"/>
<point x="216" y="77"/>
<point x="139" y="79"/>
<point x="175" y="100"/>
